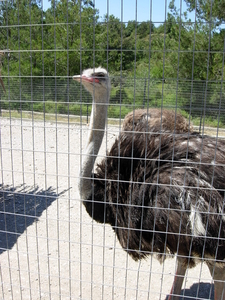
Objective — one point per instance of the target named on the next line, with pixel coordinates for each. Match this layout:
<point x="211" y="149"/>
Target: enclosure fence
<point x="112" y="184"/>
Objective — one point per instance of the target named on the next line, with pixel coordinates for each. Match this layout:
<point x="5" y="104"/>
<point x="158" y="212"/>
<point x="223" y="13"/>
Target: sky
<point x="127" y="10"/>
<point x="142" y="10"/>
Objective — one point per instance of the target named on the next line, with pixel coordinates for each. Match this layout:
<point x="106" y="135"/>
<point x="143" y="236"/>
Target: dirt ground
<point x="49" y="247"/>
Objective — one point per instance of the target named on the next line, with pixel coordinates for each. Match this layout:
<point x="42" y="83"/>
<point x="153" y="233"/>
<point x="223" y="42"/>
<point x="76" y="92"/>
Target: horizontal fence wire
<point x="58" y="95"/>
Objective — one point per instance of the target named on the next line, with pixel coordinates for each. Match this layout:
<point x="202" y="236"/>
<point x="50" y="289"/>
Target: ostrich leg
<point x="178" y="280"/>
<point x="218" y="274"/>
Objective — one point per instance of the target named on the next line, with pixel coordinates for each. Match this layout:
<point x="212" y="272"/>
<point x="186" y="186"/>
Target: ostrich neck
<point x="95" y="136"/>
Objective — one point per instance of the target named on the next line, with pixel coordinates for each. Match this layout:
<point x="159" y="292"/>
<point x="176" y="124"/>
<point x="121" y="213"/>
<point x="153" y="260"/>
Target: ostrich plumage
<point x="161" y="192"/>
<point x="157" y="120"/>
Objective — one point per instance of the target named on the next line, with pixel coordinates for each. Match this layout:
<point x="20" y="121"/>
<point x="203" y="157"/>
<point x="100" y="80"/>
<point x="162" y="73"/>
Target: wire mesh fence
<point x="112" y="182"/>
<point x="62" y="96"/>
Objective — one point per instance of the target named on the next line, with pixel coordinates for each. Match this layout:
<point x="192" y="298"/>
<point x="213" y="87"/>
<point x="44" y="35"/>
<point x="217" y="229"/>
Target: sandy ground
<point x="49" y="247"/>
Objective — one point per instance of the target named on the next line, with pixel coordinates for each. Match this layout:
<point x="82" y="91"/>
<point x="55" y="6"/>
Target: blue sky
<point x="127" y="10"/>
<point x="140" y="9"/>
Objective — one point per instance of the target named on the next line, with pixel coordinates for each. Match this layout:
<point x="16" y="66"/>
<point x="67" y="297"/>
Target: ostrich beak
<point x="81" y="78"/>
<point x="77" y="78"/>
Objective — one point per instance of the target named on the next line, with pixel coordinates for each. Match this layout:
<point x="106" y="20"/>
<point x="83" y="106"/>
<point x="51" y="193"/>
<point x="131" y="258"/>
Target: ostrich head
<point x="97" y="82"/>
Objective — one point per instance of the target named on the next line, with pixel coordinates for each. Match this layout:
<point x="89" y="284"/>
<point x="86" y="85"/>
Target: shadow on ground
<point x="200" y="290"/>
<point x="20" y="207"/>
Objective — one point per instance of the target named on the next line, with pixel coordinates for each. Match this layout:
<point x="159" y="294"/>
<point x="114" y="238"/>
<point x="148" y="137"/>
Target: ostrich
<point x="161" y="193"/>
<point x="158" y="120"/>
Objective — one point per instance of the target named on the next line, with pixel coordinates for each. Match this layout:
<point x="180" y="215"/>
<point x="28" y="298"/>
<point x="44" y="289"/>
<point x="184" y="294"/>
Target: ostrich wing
<point x="156" y="120"/>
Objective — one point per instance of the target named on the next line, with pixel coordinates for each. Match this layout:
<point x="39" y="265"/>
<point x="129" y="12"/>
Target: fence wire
<point x="118" y="199"/>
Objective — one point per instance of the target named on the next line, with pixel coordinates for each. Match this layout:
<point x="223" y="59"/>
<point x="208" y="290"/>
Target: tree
<point x="130" y="28"/>
<point x="208" y="10"/>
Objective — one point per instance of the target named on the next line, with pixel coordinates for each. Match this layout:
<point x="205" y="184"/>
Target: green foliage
<point x="177" y="64"/>
<point x="208" y="10"/>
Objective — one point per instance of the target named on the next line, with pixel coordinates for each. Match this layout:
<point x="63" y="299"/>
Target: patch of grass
<point x="208" y="122"/>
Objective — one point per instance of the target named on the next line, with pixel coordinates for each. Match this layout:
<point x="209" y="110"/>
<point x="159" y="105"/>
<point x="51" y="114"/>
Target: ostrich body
<point x="161" y="193"/>
<point x="158" y="121"/>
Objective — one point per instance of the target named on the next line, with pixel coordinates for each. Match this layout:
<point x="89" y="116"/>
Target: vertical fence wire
<point x="69" y="159"/>
<point x="81" y="159"/>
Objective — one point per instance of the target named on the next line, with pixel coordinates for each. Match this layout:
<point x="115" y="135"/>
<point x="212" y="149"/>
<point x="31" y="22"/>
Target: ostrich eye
<point x="99" y="75"/>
